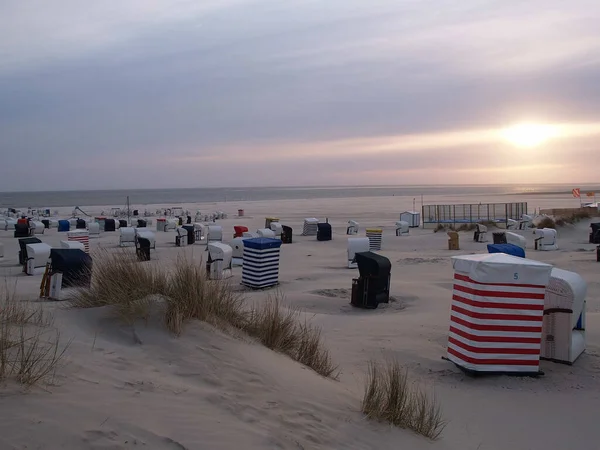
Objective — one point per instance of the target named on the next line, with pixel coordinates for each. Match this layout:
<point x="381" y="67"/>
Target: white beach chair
<point x="181" y="238"/>
<point x="277" y="228"/>
<point x="146" y="234"/>
<point x="265" y="232"/>
<point x="545" y="239"/>
<point x="563" y="329"/>
<point x="72" y="245"/>
<point x="214" y="233"/>
<point x="94" y="228"/>
<point x="480" y="233"/>
<point x="512" y="224"/>
<point x="352" y="227"/>
<point x="126" y="236"/>
<point x="516" y="239"/>
<point x="356" y="245"/>
<point x="218" y="265"/>
<point x="37" y="227"/>
<point x="402" y="228"/>
<point x="37" y="258"/>
<point x="237" y="249"/>
<point x="171" y="224"/>
<point x="526" y="222"/>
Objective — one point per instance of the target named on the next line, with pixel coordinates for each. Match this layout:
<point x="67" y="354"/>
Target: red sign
<point x="576" y="193"/>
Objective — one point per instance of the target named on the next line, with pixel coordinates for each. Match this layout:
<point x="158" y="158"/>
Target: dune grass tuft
<point x="390" y="397"/>
<point x="120" y="281"/>
<point x="191" y="295"/>
<point x="311" y="352"/>
<point x="30" y="348"/>
<point x="572" y="219"/>
<point x="273" y="326"/>
<point x="546" y="222"/>
<point x="281" y="329"/>
<point x="467" y="227"/>
<point x="132" y="288"/>
<point x="488" y="223"/>
<point x="442" y="227"/>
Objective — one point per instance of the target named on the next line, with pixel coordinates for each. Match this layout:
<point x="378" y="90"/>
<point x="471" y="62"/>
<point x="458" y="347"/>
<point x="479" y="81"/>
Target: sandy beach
<point x="209" y="390"/>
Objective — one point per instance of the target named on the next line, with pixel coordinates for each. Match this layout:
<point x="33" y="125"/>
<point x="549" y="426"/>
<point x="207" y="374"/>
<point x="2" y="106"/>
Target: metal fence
<point x="472" y="213"/>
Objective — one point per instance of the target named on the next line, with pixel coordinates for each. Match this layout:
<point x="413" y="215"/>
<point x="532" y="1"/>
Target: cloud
<point x="110" y="87"/>
<point x="37" y="32"/>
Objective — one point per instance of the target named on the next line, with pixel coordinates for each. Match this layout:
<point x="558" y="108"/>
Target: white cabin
<point x="412" y="217"/>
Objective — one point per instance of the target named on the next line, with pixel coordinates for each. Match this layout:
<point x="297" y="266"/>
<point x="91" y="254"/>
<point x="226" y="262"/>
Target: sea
<point x="49" y="199"/>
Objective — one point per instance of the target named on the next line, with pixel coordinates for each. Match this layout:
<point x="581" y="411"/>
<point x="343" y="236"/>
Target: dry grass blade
<point x="29" y="349"/>
<point x="390" y="397"/>
<point x="280" y="329"/>
<point x="439" y="227"/>
<point x="489" y="223"/>
<point x="574" y="218"/>
<point x="230" y="304"/>
<point x="38" y="356"/>
<point x="467" y="227"/>
<point x="372" y="398"/>
<point x="274" y="327"/>
<point x="191" y="295"/>
<point x="427" y="419"/>
<point x="546" y="222"/>
<point x="119" y="280"/>
<point x="18" y="312"/>
<point x="312" y="353"/>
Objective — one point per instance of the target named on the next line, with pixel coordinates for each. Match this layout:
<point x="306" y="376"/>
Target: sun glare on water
<point x="529" y="135"/>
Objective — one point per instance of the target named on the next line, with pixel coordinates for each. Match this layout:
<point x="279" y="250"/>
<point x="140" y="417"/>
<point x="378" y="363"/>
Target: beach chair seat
<point x="352" y="227"/>
<point x="126" y="237"/>
<point x="480" y="234"/>
<point x="218" y="264"/>
<point x="402" y="228"/>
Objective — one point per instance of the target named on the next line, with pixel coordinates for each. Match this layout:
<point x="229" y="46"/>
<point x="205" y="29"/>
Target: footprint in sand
<point x="411" y="261"/>
<point x="339" y="293"/>
<point x="99" y="436"/>
<point x="396" y="303"/>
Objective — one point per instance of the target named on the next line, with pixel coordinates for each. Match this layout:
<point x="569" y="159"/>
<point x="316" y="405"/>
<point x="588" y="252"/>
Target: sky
<point x="183" y="93"/>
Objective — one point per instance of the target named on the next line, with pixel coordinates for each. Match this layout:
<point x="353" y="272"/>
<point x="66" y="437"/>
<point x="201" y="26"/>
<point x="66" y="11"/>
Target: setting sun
<point x="529" y="135"/>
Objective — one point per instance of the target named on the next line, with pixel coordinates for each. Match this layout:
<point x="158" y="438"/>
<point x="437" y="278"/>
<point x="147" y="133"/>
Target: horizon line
<point x="310" y="186"/>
